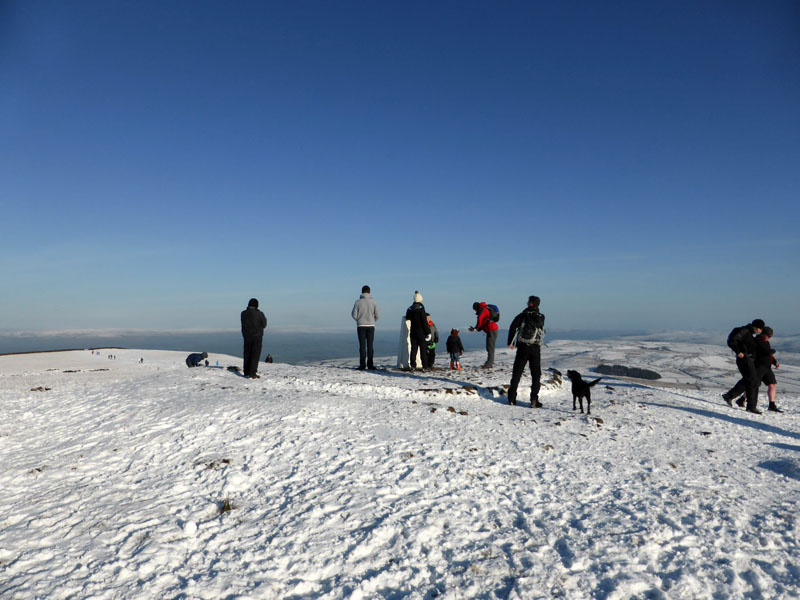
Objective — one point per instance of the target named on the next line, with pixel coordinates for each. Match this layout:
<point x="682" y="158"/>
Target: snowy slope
<point x="128" y="480"/>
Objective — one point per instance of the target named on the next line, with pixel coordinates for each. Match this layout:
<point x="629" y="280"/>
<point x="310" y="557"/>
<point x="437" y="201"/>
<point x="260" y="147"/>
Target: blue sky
<point x="635" y="164"/>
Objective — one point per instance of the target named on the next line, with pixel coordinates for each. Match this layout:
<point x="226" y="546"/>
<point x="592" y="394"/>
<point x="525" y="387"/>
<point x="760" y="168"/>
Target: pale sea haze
<point x="286" y="347"/>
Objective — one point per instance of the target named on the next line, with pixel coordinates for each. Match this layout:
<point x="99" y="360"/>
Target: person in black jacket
<point x="253" y="325"/>
<point x="763" y="360"/>
<point x="527" y="329"/>
<point x="420" y="332"/>
<point x="743" y="344"/>
<point x="455" y="348"/>
<point x="196" y="359"/>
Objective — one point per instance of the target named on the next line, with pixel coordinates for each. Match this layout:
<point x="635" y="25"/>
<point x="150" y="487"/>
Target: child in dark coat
<point x="455" y="348"/>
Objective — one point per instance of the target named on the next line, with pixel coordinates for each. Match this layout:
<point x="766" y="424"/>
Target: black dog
<point x="581" y="389"/>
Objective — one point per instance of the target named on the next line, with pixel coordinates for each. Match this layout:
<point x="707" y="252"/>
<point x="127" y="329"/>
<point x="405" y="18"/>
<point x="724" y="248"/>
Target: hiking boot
<point x="774" y="408"/>
<point x="512" y="402"/>
<point x="536" y="404"/>
<point x="372" y="368"/>
<point x="740" y="403"/>
<point x="728" y="401"/>
<point x="254" y="376"/>
<point x="486" y="366"/>
<point x="451" y="365"/>
<point x="754" y="410"/>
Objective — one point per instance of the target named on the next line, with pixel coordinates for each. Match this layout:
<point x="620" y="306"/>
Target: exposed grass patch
<point x="225" y="506"/>
<point x="214" y="464"/>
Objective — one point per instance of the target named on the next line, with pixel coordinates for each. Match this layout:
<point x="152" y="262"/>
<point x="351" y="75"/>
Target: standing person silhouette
<point x="365" y="313"/>
<point x="254" y="322"/>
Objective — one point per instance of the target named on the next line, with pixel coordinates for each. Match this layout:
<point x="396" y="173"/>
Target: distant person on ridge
<point x="253" y="325"/>
<point x="268" y="360"/>
<point x="420" y="332"/>
<point x="527" y="329"/>
<point x="365" y="314"/>
<point x="455" y="348"/>
<point x="193" y="360"/>
<point x="743" y="344"/>
<point x="488" y="326"/>
<point x="432" y="343"/>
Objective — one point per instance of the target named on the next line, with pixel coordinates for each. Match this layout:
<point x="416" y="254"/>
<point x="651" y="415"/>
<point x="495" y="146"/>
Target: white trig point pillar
<point x="404" y="348"/>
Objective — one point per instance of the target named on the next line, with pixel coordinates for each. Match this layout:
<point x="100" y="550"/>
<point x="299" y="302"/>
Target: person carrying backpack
<point x="763" y="360"/>
<point x="527" y="330"/>
<point x="743" y="343"/>
<point x="487" y="322"/>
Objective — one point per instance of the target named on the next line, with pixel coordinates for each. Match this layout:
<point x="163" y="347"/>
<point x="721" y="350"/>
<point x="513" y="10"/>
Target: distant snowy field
<point x="128" y="480"/>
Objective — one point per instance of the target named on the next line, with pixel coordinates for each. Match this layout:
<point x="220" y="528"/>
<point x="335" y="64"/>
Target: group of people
<point x="754" y="359"/>
<point x="526" y="335"/>
<point x="423" y="334"/>
<point x="751" y="344"/>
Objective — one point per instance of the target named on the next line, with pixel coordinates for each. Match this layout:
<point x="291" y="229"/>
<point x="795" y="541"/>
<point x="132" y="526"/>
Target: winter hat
<point x="454" y="332"/>
<point x="476" y="306"/>
<point x="253" y="302"/>
<point x="417" y="297"/>
<point x="758" y="323"/>
<point x="205" y="354"/>
<point x="534" y="301"/>
<point x="365" y="289"/>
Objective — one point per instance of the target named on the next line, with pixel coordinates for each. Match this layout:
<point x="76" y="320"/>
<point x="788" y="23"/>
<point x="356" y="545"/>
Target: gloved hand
<point x="472" y="329"/>
<point x="428" y="337"/>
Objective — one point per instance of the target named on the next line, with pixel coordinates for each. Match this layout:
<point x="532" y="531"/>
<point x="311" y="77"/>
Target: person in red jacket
<point x="489" y="327"/>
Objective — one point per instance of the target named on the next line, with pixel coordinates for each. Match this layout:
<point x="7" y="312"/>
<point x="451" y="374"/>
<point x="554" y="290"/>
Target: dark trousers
<point x="748" y="384"/>
<point x="531" y="355"/>
<point x="418" y="343"/>
<point x="366" y="336"/>
<point x="252" y="354"/>
<point x="431" y="356"/>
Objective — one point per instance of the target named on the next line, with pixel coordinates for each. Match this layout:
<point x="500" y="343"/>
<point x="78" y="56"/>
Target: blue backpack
<point x="494" y="312"/>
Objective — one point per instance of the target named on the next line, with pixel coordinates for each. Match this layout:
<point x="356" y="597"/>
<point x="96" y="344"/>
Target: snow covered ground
<point x="128" y="480"/>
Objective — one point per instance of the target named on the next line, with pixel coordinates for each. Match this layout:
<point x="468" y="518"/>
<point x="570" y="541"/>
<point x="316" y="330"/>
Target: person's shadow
<point x="766" y="427"/>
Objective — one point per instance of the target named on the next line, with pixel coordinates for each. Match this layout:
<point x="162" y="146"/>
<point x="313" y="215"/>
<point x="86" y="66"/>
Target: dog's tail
<point x="595" y="381"/>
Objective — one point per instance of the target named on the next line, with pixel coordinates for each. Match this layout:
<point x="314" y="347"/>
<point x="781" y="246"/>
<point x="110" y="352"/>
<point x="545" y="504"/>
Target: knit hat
<point x="253" y="302"/>
<point x="758" y="323"/>
<point x="476" y="306"/>
<point x="454" y="332"/>
<point x="534" y="301"/>
<point x="417" y="297"/>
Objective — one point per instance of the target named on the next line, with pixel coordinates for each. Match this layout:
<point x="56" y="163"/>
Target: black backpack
<point x="532" y="329"/>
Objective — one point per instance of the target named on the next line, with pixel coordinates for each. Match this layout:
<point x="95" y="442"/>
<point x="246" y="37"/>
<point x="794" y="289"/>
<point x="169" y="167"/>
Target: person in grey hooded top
<point x="365" y="313"/>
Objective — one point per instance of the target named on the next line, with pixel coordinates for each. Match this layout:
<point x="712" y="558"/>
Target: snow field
<point x="155" y="481"/>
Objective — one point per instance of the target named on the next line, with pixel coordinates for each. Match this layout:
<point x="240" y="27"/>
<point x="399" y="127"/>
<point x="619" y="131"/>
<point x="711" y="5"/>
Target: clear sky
<point x="635" y="164"/>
